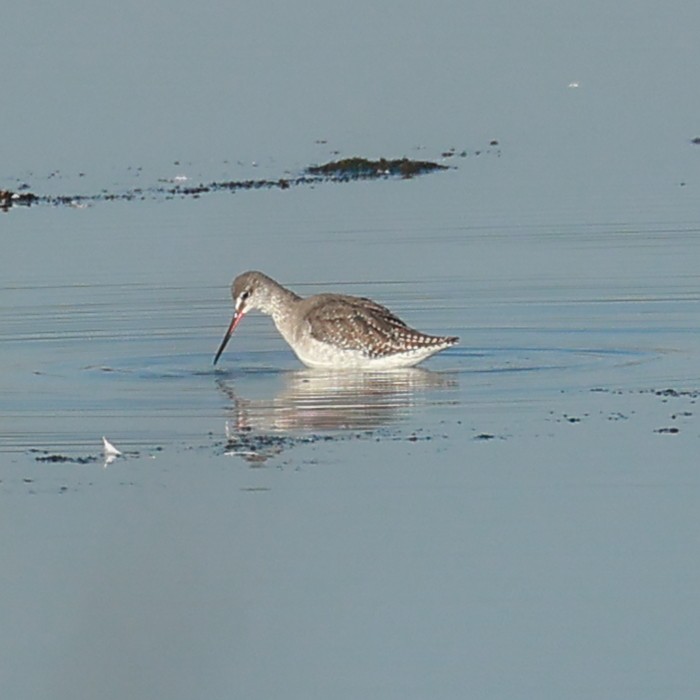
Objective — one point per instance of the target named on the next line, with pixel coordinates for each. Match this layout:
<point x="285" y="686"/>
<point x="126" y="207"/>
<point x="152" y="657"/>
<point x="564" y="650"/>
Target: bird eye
<point x="245" y="295"/>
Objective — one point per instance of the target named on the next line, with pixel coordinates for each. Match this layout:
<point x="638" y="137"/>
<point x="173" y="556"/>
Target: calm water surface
<point x="288" y="533"/>
<point x="122" y="343"/>
<point x="516" y="518"/>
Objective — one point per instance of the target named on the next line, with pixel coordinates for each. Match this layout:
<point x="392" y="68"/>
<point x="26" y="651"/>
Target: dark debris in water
<point x="65" y="459"/>
<point x="257" y="448"/>
<point x="58" y="458"/>
<point x="344" y="170"/>
<point x="9" y="199"/>
<point x="364" y="169"/>
<point x="665" y="395"/>
<point x="677" y="393"/>
<point x="692" y="394"/>
<point x="566" y="418"/>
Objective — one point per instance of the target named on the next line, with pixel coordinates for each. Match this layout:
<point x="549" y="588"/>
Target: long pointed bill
<point x="236" y="320"/>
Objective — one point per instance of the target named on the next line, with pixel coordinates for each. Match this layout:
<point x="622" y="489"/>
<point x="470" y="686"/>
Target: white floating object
<point x="109" y="449"/>
<point x="573" y="84"/>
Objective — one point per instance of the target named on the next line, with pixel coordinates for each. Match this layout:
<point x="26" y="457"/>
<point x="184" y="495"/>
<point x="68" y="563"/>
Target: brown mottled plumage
<point x="333" y="330"/>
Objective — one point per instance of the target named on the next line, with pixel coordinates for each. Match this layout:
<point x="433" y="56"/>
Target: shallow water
<point x="135" y="360"/>
<point x="514" y="518"/>
<point x="509" y="515"/>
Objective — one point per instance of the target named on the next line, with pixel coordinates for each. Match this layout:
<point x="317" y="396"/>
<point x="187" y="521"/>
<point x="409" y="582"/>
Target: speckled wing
<point x="356" y="323"/>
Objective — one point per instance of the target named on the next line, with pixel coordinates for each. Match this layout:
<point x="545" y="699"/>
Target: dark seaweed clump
<point x="363" y="168"/>
<point x="65" y="459"/>
<point x="345" y="170"/>
<point x="9" y="199"/>
<point x="256" y="447"/>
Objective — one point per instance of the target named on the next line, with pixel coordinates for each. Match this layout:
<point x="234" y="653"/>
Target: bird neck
<point x="278" y="301"/>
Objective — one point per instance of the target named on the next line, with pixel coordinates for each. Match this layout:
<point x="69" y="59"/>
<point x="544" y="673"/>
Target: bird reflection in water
<point x="328" y="401"/>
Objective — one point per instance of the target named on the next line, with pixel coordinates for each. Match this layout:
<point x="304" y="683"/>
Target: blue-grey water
<point x="516" y="518"/>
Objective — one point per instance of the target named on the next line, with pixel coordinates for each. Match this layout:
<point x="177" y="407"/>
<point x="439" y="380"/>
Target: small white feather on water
<point x="109" y="449"/>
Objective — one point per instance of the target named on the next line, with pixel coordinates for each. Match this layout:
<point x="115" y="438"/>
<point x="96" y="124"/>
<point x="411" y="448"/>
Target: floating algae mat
<point x="344" y="170"/>
<point x="364" y="169"/>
